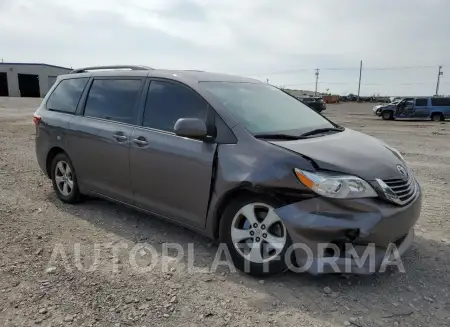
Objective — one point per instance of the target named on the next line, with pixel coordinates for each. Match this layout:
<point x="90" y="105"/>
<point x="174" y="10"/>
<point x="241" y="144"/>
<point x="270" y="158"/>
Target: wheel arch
<point x="390" y="111"/>
<point x="223" y="202"/>
<point x="50" y="156"/>
<point x="440" y="113"/>
<point x="285" y="196"/>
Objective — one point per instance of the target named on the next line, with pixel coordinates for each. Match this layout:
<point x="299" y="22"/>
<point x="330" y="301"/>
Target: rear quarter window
<point x="440" y="102"/>
<point x="66" y="95"/>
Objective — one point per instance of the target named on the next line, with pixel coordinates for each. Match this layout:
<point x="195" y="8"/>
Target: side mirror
<point x="193" y="128"/>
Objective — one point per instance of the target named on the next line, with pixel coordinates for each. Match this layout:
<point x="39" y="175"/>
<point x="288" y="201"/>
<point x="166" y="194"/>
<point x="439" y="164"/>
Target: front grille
<point x="403" y="189"/>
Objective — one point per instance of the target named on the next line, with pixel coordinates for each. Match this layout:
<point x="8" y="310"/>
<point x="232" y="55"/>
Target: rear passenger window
<point x="167" y="102"/>
<point x="66" y="95"/>
<point x="440" y="102"/>
<point x="421" y="102"/>
<point x="113" y="99"/>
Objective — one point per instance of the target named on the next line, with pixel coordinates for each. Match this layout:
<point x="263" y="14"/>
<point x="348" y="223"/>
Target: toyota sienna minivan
<point x="235" y="159"/>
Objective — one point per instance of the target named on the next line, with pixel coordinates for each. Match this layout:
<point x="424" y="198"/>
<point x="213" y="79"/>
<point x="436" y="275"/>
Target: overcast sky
<point x="401" y="42"/>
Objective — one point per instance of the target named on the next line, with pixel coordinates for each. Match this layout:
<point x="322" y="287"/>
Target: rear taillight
<point x="36" y="119"/>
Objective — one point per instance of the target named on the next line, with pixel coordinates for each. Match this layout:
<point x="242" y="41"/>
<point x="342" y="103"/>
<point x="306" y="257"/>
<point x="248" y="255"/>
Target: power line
<point x="390" y="82"/>
<point x="296" y="70"/>
<point x="291" y="71"/>
<point x="398" y="68"/>
<point x="367" y="84"/>
<point x="379" y="68"/>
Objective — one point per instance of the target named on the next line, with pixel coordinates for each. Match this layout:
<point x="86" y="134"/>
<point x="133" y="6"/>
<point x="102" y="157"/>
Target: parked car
<point x="352" y="97"/>
<point x="232" y="158"/>
<point x="434" y="108"/>
<point x="378" y="109"/>
<point x="316" y="103"/>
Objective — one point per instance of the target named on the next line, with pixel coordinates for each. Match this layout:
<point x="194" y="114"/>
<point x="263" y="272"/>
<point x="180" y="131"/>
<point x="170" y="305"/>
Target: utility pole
<point x="440" y="73"/>
<point x="317" y="79"/>
<point x="359" y="83"/>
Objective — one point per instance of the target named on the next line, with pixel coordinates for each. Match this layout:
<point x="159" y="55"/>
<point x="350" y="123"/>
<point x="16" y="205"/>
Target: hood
<point x="385" y="105"/>
<point x="349" y="152"/>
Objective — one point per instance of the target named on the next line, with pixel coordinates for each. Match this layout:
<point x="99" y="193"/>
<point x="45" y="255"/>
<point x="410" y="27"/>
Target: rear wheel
<point x="64" y="179"/>
<point x="437" y="117"/>
<point x="256" y="237"/>
<point x="387" y="115"/>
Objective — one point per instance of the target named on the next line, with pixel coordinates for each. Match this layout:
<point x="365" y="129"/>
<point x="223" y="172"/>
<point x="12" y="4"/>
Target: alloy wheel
<point x="257" y="233"/>
<point x="64" y="178"/>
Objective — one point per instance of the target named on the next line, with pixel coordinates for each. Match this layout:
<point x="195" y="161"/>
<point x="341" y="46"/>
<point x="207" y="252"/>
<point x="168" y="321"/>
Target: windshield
<point x="262" y="108"/>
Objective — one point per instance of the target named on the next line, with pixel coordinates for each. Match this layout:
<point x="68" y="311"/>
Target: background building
<point x="28" y="79"/>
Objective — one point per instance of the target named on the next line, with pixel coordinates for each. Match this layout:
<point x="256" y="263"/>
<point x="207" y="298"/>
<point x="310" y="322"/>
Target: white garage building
<point x="28" y="79"/>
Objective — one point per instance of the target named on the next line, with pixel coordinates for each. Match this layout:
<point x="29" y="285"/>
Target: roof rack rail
<point x="131" y="67"/>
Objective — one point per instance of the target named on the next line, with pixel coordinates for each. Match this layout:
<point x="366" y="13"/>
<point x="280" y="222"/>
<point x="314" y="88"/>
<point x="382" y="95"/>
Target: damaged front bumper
<point x="376" y="111"/>
<point x="324" y="232"/>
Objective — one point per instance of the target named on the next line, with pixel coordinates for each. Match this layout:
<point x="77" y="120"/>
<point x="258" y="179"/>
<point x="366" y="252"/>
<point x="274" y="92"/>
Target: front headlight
<point x="336" y="186"/>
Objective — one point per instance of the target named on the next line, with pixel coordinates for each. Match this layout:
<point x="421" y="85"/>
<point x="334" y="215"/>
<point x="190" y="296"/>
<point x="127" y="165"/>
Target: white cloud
<point x="240" y="37"/>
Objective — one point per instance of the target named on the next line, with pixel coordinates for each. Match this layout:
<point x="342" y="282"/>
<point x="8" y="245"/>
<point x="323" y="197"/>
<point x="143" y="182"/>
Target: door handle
<point x="119" y="137"/>
<point x="140" y="141"/>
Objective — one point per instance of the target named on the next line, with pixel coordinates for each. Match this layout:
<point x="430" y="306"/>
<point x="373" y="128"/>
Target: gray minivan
<point x="233" y="158"/>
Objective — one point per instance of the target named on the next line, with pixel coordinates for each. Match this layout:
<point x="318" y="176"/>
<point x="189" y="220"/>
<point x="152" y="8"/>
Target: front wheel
<point x="256" y="237"/>
<point x="387" y="115"/>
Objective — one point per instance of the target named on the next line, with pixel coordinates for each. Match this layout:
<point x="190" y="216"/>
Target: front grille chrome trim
<point x="399" y="191"/>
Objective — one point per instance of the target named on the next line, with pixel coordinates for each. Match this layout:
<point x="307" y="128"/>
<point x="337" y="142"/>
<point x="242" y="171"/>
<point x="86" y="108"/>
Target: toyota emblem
<point x="402" y="171"/>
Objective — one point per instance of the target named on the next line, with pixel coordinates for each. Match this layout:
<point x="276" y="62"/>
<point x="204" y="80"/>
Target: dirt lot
<point x="33" y="222"/>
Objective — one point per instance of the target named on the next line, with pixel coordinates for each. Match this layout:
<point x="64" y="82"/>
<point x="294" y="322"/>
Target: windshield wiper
<point x="322" y="130"/>
<point x="276" y="136"/>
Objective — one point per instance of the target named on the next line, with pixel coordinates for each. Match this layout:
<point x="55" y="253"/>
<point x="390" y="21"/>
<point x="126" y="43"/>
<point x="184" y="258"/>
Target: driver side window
<point x="167" y="102"/>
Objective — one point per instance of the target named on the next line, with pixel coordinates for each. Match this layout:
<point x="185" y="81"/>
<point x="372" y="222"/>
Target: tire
<point x="235" y="226"/>
<point x="437" y="117"/>
<point x="387" y="115"/>
<point x="64" y="179"/>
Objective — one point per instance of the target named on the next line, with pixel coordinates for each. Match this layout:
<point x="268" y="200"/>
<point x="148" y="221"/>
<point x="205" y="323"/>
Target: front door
<point x="171" y="175"/>
<point x="409" y="109"/>
<point x="100" y="139"/>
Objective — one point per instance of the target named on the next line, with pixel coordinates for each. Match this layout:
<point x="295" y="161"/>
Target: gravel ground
<point x="35" y="290"/>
